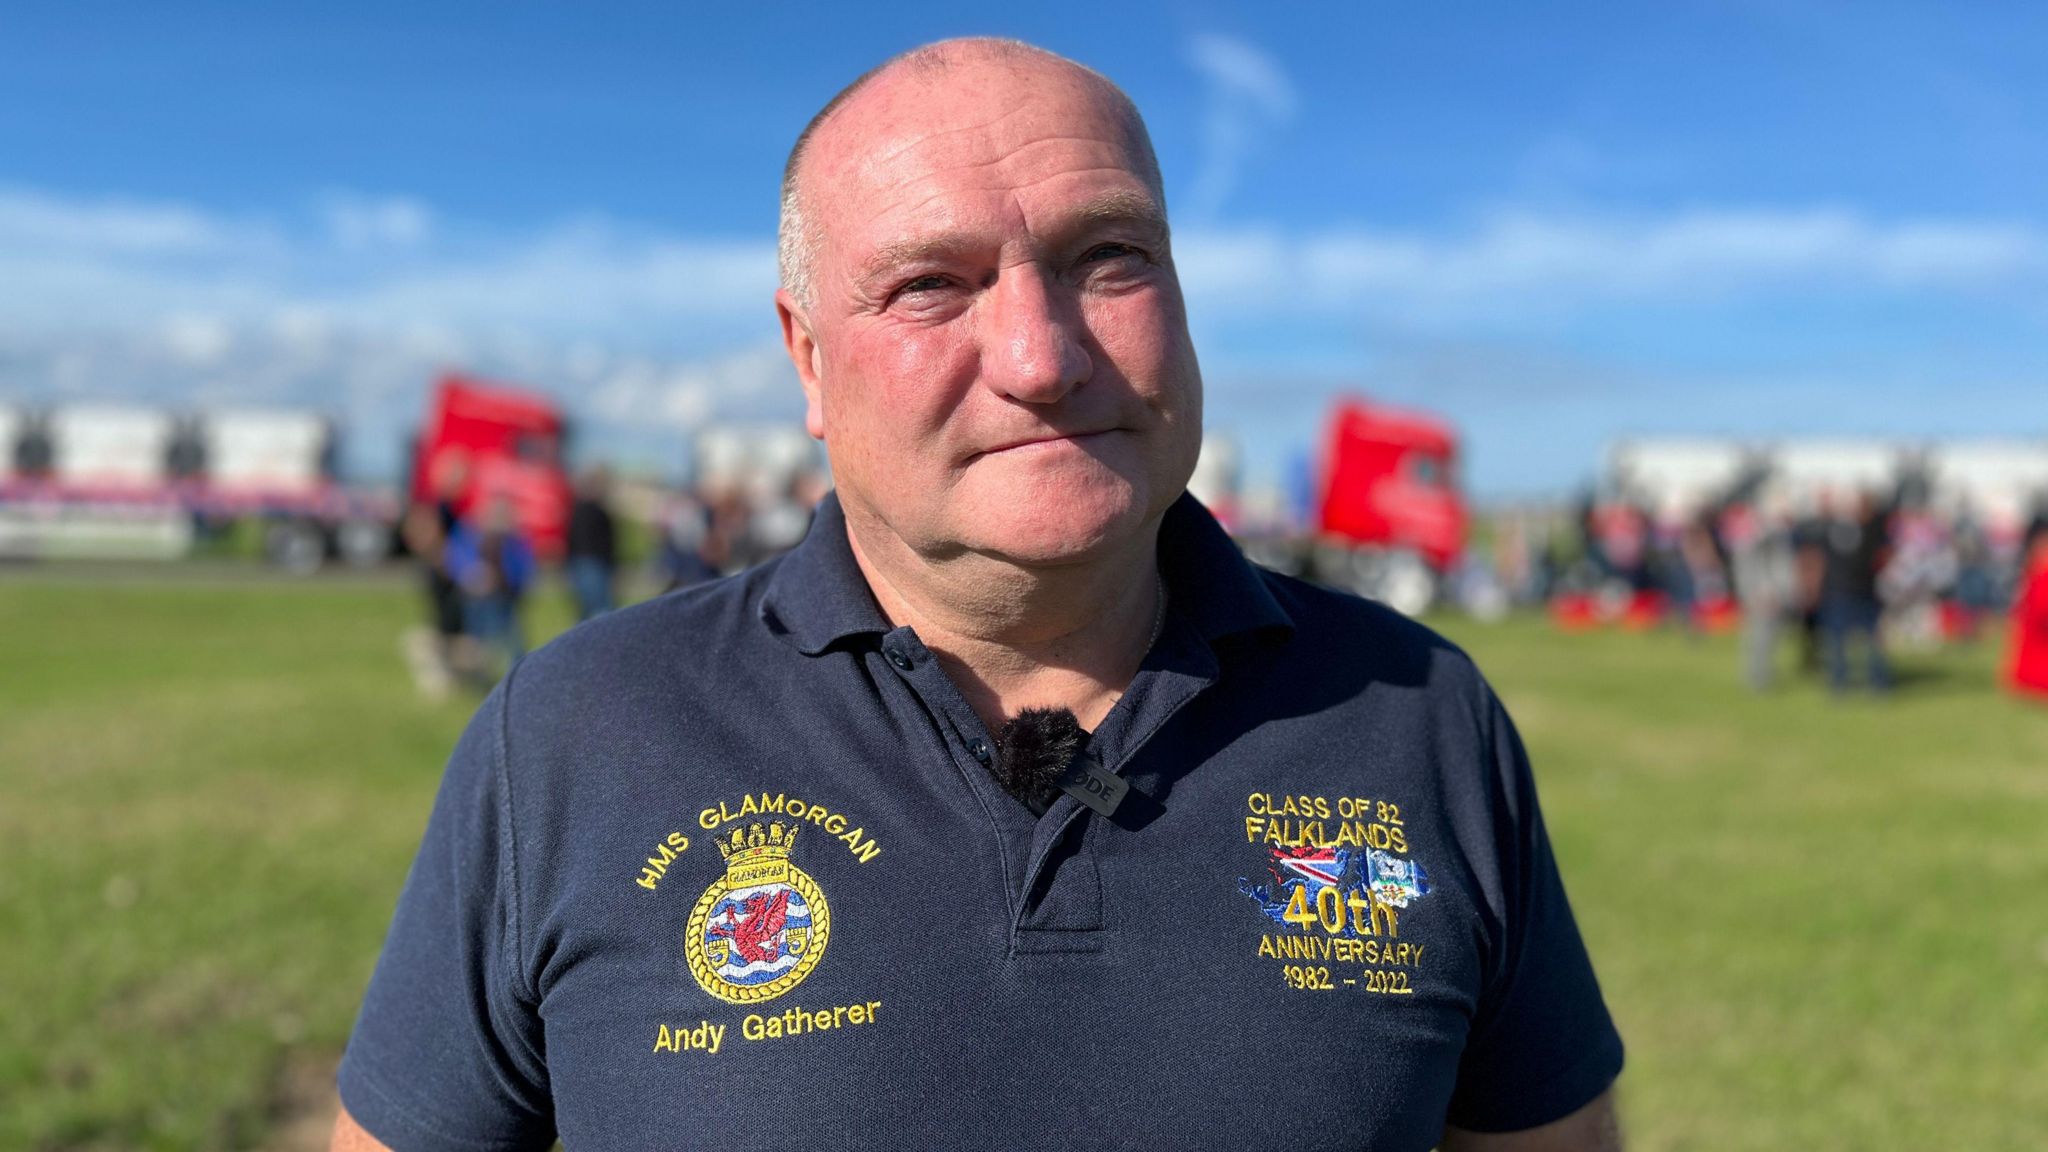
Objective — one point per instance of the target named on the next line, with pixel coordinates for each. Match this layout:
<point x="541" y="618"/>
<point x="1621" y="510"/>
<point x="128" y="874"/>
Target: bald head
<point x="930" y="70"/>
<point x="981" y="306"/>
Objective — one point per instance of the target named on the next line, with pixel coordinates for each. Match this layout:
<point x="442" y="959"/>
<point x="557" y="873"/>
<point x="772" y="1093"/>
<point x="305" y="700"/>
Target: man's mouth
<point x="1050" y="441"/>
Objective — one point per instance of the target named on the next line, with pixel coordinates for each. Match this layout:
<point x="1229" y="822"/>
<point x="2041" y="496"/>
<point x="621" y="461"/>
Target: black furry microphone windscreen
<point x="1033" y="751"/>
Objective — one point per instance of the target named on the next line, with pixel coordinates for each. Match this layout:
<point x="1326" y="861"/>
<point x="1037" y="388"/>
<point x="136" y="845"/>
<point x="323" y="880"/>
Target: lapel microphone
<point x="1042" y="752"/>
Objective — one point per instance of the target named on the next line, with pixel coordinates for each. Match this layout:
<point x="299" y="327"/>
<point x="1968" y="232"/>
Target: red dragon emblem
<point x="757" y="936"/>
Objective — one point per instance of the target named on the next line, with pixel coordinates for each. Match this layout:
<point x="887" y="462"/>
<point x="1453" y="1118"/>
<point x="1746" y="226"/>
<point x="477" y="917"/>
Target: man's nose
<point x="1034" y="344"/>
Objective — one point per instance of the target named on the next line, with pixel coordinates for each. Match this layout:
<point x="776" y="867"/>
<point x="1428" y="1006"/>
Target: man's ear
<point x="804" y="355"/>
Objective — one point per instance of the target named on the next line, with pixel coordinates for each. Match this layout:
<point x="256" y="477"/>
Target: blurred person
<point x="1809" y="548"/>
<point x="426" y="528"/>
<point x="1548" y="558"/>
<point x="1707" y="554"/>
<point x="1513" y="555"/>
<point x="728" y="537"/>
<point x="2013" y="560"/>
<point x="1574" y="557"/>
<point x="965" y="774"/>
<point x="1923" y="565"/>
<point x="2027" y="667"/>
<point x="1625" y="546"/>
<point x="1976" y="585"/>
<point x="1668" y="571"/>
<point x="1695" y="578"/>
<point x="493" y="564"/>
<point x="781" y="520"/>
<point x="1592" y="542"/>
<point x="685" y="534"/>
<point x="1854" y="550"/>
<point x="592" y="554"/>
<point x="1766" y="574"/>
<point x="776" y="526"/>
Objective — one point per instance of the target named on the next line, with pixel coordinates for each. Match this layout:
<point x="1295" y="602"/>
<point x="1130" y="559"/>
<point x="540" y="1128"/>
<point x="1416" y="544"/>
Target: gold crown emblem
<point x="756" y="854"/>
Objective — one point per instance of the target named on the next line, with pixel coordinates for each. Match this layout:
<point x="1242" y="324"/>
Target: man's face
<point x="997" y="356"/>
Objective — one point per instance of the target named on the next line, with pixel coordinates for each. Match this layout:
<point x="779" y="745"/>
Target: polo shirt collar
<point x="817" y="596"/>
<point x="1210" y="583"/>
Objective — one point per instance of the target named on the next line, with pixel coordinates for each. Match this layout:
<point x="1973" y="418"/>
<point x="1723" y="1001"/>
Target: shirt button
<point x="900" y="660"/>
<point x="980" y="749"/>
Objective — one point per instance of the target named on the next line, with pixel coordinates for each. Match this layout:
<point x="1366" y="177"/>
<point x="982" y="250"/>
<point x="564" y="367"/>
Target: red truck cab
<point x="507" y="444"/>
<point x="1390" y="481"/>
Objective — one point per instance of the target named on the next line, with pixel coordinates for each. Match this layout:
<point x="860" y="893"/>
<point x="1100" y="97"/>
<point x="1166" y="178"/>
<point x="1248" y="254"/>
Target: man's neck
<point x="1013" y="637"/>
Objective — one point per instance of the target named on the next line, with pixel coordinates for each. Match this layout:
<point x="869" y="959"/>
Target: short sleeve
<point x="1542" y="1044"/>
<point x="447" y="1052"/>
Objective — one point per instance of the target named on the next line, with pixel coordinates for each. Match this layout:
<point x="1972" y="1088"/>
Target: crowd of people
<point x="722" y="526"/>
<point x="479" y="565"/>
<point x="1846" y="573"/>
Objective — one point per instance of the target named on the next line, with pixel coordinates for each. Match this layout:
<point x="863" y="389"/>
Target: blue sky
<point x="1553" y="224"/>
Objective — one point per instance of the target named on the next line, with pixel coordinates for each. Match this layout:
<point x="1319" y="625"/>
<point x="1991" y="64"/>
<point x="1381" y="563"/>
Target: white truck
<point x="1809" y="471"/>
<point x="1677" y="478"/>
<point x="124" y="481"/>
<point x="2002" y="484"/>
<point x="91" y="481"/>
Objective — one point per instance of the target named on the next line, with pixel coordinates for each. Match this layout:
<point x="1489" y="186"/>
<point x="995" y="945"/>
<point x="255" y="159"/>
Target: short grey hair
<point x="796" y="243"/>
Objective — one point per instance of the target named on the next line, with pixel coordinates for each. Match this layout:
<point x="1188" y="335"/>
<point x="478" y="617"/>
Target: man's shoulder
<point x="1340" y="630"/>
<point x="668" y="640"/>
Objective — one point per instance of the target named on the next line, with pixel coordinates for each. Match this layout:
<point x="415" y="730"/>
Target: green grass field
<point x="1823" y="925"/>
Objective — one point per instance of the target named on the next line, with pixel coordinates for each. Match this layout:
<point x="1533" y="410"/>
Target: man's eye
<point x="923" y="284"/>
<point x="1108" y="252"/>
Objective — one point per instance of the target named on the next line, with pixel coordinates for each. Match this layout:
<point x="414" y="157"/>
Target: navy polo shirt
<point x="727" y="870"/>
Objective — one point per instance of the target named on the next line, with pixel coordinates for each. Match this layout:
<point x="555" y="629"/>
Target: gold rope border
<point x="814" y="949"/>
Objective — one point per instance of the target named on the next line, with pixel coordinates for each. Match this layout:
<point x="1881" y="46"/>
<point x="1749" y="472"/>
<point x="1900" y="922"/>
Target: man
<point x="734" y="868"/>
<point x="1766" y="581"/>
<point x="1854" y="551"/>
<point x="493" y="564"/>
<point x="592" y="549"/>
<point x="427" y="528"/>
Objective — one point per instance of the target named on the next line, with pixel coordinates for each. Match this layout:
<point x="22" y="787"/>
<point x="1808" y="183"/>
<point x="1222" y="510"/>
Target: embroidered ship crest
<point x="758" y="930"/>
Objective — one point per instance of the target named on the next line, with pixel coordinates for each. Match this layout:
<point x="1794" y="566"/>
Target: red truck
<point x="1386" y="517"/>
<point x="502" y="443"/>
<point x="1389" y="483"/>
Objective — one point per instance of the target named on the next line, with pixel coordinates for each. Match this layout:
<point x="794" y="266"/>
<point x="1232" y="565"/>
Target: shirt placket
<point x="970" y="747"/>
<point x="1053" y="889"/>
<point x="1065" y="911"/>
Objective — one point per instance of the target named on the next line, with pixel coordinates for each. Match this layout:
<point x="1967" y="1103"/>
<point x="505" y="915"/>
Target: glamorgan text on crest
<point x="835" y="824"/>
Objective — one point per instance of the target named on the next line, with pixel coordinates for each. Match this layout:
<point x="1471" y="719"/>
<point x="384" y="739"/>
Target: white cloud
<point x="353" y="305"/>
<point x="368" y="264"/>
<point x="1244" y="71"/>
<point x="200" y="340"/>
<point x="357" y="223"/>
<point x="650" y="333"/>
<point x="580" y="281"/>
<point x="1248" y="93"/>
<point x="31" y="222"/>
<point x="685" y="396"/>
<point x="1518" y="260"/>
<point x="86" y="269"/>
